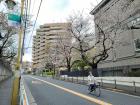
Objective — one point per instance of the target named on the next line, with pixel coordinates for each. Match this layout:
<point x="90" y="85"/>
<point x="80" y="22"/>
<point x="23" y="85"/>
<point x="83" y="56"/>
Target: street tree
<point x="51" y="58"/>
<point x="65" y="50"/>
<point x="8" y="48"/>
<point x="79" y="64"/>
<point x="88" y="42"/>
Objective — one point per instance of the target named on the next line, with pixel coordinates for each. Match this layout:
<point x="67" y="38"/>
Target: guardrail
<point x="23" y="95"/>
<point x="116" y="83"/>
<point x="133" y="86"/>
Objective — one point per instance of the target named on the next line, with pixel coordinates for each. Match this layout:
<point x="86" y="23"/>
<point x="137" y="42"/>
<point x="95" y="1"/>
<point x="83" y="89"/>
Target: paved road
<point x="47" y="91"/>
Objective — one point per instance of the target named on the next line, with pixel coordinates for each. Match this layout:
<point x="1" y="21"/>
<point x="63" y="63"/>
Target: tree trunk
<point x="94" y="70"/>
<point x="68" y="65"/>
<point x="69" y="68"/>
<point x="54" y="70"/>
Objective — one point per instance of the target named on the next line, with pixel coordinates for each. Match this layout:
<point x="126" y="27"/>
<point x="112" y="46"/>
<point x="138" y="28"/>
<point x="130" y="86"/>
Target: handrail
<point x="114" y="80"/>
<point x="119" y="81"/>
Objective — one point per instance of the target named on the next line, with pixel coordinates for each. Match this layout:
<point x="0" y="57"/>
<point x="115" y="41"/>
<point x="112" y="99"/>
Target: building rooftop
<point x="48" y="25"/>
<point x="99" y="6"/>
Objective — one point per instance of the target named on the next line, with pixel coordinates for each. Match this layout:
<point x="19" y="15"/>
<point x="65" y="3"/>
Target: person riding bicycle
<point x="91" y="82"/>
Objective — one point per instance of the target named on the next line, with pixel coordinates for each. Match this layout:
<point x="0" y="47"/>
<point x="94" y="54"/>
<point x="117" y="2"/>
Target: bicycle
<point x="96" y="90"/>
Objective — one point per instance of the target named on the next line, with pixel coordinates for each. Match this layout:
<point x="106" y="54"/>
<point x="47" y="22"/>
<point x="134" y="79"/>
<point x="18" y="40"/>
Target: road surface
<point x="47" y="91"/>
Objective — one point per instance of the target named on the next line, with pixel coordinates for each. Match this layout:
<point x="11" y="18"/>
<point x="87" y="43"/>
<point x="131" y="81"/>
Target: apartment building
<point x="125" y="55"/>
<point x="26" y="66"/>
<point x="46" y="44"/>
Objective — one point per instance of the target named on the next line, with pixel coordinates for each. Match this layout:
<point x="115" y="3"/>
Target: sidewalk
<point x="6" y="91"/>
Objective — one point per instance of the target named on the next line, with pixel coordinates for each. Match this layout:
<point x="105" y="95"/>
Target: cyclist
<point x="91" y="82"/>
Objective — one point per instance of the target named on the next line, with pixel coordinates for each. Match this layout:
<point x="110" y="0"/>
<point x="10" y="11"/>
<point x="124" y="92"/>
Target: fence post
<point x="115" y="83"/>
<point x="64" y="77"/>
<point x="77" y="79"/>
<point x="134" y="84"/>
<point x="72" y="79"/>
<point x="102" y="82"/>
<point x="83" y="79"/>
<point x="4" y="76"/>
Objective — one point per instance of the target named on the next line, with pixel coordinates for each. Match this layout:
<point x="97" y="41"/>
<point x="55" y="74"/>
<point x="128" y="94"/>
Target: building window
<point x="137" y="44"/>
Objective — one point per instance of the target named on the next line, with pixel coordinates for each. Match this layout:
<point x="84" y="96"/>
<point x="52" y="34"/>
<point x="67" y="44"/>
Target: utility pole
<point x="16" y="83"/>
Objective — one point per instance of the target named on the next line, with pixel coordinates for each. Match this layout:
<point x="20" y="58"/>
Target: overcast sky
<point x="56" y="11"/>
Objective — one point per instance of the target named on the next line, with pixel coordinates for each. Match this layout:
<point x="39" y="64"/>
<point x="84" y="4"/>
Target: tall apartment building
<point x="125" y="56"/>
<point x="46" y="42"/>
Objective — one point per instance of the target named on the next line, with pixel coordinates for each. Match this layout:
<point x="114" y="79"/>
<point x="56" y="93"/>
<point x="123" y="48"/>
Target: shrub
<point x="134" y="73"/>
<point x="50" y="73"/>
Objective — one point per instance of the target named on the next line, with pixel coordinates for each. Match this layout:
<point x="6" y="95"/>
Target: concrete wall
<point x="5" y="71"/>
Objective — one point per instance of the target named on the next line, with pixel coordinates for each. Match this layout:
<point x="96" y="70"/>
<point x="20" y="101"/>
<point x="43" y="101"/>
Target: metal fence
<point x="75" y="73"/>
<point x="23" y="95"/>
<point x="131" y="86"/>
<point x="26" y="97"/>
<point x="118" y="83"/>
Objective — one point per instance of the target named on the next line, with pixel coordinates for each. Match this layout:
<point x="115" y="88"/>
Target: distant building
<point x="46" y="41"/>
<point x="125" y="56"/>
<point x="26" y="66"/>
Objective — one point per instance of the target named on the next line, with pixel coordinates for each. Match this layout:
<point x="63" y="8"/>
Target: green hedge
<point x="50" y="73"/>
<point x="134" y="74"/>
